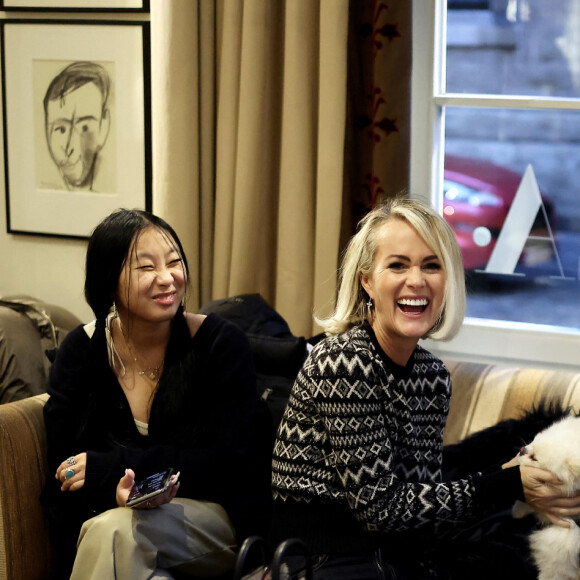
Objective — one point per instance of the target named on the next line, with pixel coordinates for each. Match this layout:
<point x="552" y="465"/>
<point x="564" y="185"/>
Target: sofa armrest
<point x="24" y="545"/>
<point x="484" y="394"/>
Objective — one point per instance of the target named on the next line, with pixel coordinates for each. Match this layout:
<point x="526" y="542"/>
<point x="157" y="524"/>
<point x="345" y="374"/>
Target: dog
<point x="556" y="550"/>
<point x="497" y="545"/>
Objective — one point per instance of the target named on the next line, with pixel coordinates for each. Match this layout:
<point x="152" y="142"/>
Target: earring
<point x="370" y="304"/>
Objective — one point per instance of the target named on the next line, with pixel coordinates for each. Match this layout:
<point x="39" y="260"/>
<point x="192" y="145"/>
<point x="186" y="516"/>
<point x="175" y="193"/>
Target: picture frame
<point x="77" y="126"/>
<point x="76" y="5"/>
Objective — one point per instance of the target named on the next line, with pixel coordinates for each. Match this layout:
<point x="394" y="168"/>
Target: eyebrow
<point x="145" y="255"/>
<point x="407" y="259"/>
<point x="85" y="118"/>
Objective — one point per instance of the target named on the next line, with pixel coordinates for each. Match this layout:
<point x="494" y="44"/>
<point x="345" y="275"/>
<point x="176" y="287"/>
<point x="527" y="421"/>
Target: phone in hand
<point x="147" y="488"/>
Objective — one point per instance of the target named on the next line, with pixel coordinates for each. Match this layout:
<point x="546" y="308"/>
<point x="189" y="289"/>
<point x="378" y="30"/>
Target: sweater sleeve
<point x="499" y="489"/>
<point x="65" y="409"/>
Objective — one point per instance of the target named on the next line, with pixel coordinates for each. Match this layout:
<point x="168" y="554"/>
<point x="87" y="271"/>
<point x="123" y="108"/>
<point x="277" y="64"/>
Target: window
<point x="496" y="148"/>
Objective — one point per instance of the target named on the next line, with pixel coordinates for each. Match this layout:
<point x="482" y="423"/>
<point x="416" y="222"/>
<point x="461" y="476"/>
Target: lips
<point x="69" y="163"/>
<point x="166" y="299"/>
<point x="413" y="305"/>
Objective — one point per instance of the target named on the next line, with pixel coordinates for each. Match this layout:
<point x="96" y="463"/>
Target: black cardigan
<point x="204" y="422"/>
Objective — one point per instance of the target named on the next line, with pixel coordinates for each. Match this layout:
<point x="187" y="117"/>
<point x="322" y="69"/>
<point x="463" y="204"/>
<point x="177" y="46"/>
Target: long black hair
<point x="108" y="250"/>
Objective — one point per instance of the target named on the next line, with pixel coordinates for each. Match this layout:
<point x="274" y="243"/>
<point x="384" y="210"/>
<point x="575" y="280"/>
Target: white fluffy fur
<point x="556" y="550"/>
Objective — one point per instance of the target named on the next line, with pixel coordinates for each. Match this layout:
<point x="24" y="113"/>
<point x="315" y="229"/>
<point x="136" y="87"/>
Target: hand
<point x="78" y="464"/>
<point x="126" y="483"/>
<point x="542" y="493"/>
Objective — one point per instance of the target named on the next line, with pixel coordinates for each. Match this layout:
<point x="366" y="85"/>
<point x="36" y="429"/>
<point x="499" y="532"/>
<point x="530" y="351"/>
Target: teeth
<point x="408" y="302"/>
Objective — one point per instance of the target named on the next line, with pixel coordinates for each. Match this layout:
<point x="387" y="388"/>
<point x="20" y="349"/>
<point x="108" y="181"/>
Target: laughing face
<point x="406" y="284"/>
<point x="152" y="282"/>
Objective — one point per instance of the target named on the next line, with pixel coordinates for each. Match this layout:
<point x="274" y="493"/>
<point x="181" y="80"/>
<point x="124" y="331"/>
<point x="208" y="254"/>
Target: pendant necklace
<point x="151" y="373"/>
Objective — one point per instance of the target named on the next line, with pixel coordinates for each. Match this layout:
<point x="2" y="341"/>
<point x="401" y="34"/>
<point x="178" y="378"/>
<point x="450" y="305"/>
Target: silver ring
<point x="69" y="473"/>
<point x="71" y="460"/>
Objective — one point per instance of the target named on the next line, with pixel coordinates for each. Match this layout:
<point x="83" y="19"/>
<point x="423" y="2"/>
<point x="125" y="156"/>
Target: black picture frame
<point x="74" y="156"/>
<point x="135" y="6"/>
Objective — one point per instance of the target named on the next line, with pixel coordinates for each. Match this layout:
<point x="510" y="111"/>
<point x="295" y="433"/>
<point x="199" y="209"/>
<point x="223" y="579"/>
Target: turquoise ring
<point x="69" y="473"/>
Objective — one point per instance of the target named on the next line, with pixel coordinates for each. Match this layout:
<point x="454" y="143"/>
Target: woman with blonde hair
<point x="357" y="466"/>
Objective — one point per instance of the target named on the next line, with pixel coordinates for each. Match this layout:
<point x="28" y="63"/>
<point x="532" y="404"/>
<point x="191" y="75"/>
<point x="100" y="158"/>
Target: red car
<point x="478" y="195"/>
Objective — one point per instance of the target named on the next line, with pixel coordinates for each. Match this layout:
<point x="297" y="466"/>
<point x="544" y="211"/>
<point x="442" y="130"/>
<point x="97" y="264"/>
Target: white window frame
<point x="490" y="341"/>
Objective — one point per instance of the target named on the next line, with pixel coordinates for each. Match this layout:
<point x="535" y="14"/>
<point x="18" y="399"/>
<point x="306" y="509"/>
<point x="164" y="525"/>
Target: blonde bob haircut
<point x="351" y="307"/>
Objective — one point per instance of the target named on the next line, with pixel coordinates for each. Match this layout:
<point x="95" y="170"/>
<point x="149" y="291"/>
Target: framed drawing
<point x="77" y="130"/>
<point x="76" y="5"/>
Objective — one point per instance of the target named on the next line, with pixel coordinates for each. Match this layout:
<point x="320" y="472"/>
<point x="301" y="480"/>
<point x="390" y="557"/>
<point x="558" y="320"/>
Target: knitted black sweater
<point x="357" y="458"/>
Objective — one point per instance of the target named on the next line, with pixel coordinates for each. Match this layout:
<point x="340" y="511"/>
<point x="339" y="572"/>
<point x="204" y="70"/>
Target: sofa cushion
<point x="485" y="394"/>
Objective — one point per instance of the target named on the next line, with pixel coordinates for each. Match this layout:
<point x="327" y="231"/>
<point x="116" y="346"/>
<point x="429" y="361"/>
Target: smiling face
<point x="407" y="285"/>
<point x="152" y="282"/>
<point x="76" y="131"/>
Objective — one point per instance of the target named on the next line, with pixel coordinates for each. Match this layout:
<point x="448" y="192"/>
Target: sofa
<point x="29" y="327"/>
<point x="483" y="395"/>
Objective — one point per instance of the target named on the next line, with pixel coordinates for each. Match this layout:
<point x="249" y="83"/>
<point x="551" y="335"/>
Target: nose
<point x="164" y="275"/>
<point x="415" y="276"/>
<point x="524" y="450"/>
<point x="69" y="145"/>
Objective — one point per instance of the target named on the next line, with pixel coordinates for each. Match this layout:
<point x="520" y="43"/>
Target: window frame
<point x="480" y="340"/>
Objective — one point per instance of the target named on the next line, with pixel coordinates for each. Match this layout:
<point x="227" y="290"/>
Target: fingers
<point x="72" y="478"/>
<point x="128" y="479"/>
<point x="71" y="472"/>
<point x="537" y="476"/>
<point x="511" y="463"/>
<point x="166" y="497"/>
<point x="560" y="522"/>
<point x="173" y="490"/>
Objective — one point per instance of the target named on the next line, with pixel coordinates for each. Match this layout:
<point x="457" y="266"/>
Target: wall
<point x="51" y="269"/>
<point x="47" y="268"/>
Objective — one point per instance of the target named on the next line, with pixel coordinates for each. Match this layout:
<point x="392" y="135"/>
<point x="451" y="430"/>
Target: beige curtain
<point x="249" y="105"/>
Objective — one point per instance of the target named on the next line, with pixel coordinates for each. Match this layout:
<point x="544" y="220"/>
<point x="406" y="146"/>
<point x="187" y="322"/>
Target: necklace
<point x="149" y="372"/>
<point x="152" y="373"/>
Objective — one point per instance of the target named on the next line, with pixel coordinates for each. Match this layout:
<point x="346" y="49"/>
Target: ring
<point x="69" y="473"/>
<point x="71" y="460"/>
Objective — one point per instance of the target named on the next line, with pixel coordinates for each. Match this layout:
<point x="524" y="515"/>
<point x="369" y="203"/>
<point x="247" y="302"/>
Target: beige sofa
<point x="482" y="396"/>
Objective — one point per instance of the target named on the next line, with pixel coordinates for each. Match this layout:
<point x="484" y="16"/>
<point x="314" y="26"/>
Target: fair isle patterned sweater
<point x="358" y="453"/>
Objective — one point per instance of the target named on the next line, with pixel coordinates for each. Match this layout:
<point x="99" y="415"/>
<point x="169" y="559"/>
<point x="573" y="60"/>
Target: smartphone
<point x="149" y="487"/>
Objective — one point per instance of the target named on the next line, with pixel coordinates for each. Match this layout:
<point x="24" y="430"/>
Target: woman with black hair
<point x="145" y="387"/>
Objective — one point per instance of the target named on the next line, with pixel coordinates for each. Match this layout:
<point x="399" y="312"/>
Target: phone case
<point x="149" y="487"/>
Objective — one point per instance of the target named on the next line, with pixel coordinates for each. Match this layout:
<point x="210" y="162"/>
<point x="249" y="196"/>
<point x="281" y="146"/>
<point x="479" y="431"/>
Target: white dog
<point x="556" y="550"/>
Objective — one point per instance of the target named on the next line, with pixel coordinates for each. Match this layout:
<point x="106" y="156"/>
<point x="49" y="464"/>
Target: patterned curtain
<point x="377" y="146"/>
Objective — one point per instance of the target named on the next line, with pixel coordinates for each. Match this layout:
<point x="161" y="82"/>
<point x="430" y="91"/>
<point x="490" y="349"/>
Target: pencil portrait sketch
<point x="77" y="123"/>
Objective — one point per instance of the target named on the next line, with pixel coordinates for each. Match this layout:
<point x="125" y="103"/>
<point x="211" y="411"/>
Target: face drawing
<point x="77" y="125"/>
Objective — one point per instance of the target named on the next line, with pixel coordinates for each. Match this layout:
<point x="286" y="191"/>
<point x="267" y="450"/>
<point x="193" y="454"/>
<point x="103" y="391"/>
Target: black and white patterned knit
<point x="359" y="449"/>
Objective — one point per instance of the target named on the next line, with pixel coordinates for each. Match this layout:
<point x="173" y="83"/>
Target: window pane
<point x="514" y="47"/>
<point x="521" y="266"/>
